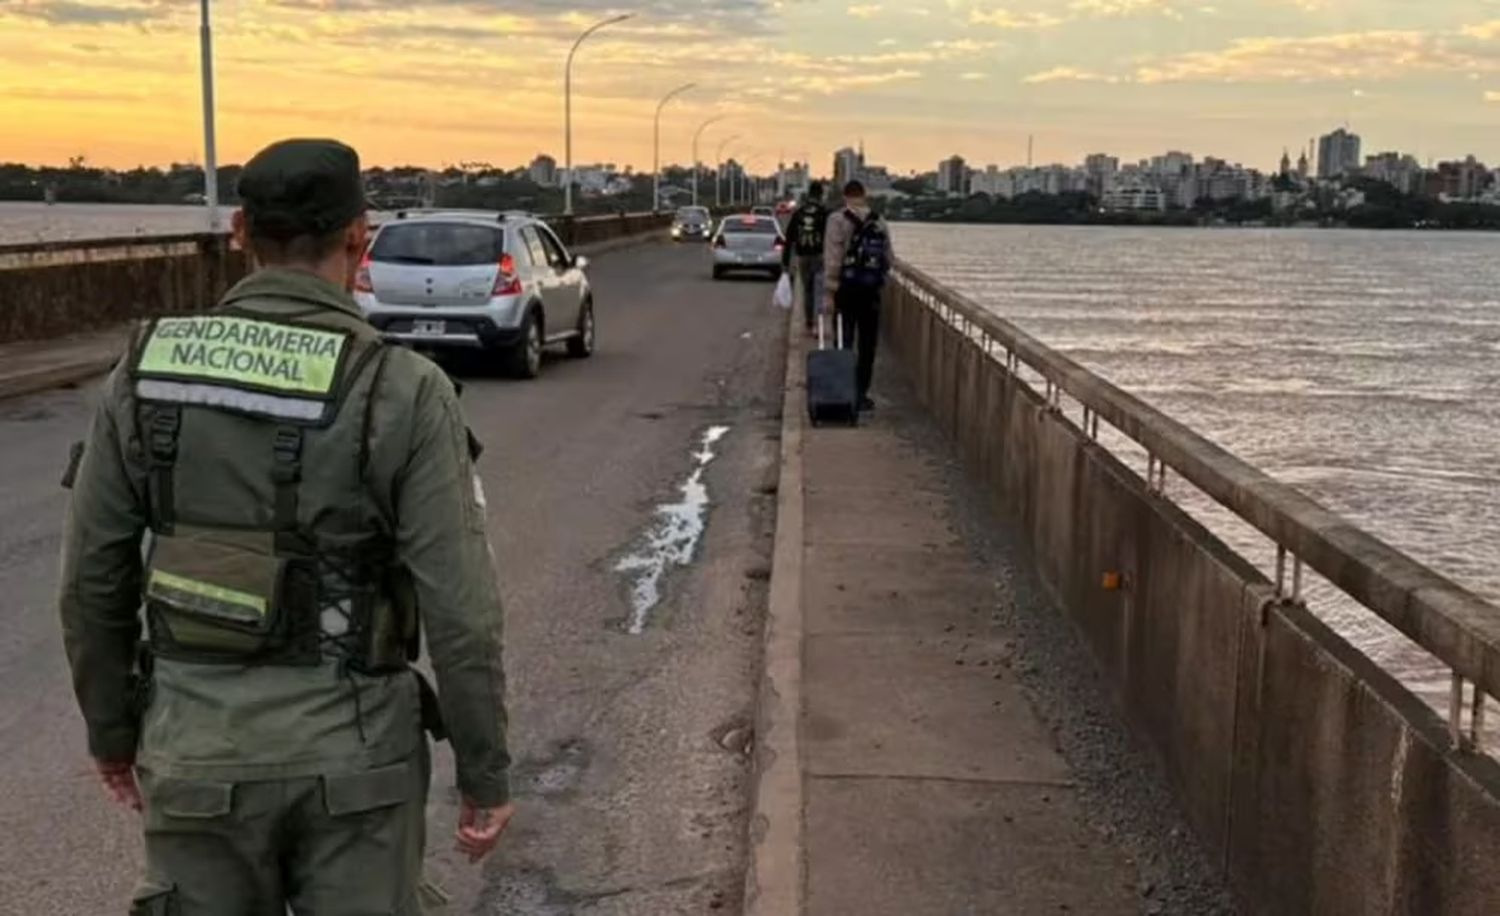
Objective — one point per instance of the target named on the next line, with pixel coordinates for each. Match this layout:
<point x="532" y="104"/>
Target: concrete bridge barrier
<point x="1319" y="783"/>
<point x="51" y="289"/>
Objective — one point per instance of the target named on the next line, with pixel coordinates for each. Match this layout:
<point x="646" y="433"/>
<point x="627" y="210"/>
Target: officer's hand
<point x="479" y="829"/>
<point x="119" y="782"/>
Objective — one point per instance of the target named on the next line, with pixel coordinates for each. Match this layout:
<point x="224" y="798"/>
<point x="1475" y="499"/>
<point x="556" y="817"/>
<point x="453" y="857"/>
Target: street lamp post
<point x="719" y="169"/>
<point x="656" y="144"/>
<point x="568" y="107"/>
<point x="697" y="169"/>
<point x="210" y="144"/>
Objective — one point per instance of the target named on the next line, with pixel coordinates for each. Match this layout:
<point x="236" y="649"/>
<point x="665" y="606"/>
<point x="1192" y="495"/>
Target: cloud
<point x="1493" y="96"/>
<point x="1109" y="9"/>
<point x="1071" y="11"/>
<point x="865" y="11"/>
<point x="1484" y="31"/>
<point x="714" y="17"/>
<point x="1005" y="19"/>
<point x="76" y="12"/>
<point x="1070" y="75"/>
<point x="831" y="85"/>
<point x="973" y="76"/>
<point x="1376" y="55"/>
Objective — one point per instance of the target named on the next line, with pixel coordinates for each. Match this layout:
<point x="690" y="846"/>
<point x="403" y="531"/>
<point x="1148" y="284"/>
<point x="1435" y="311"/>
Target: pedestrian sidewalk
<point x="927" y="783"/>
<point x="36" y="365"/>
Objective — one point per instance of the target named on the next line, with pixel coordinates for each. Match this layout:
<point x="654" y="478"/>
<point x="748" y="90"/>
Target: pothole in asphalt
<point x="671" y="540"/>
<point x="558" y="773"/>
<point x="526" y="892"/>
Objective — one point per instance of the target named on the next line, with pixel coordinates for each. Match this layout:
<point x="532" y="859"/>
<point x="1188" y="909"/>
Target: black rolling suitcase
<point x="831" y="388"/>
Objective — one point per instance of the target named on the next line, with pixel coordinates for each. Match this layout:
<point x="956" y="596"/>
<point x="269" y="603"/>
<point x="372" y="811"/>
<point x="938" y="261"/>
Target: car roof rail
<point x="477" y="212"/>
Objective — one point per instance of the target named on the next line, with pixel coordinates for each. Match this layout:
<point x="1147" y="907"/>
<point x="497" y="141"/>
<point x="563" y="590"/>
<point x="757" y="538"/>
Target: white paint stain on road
<point x="673" y="537"/>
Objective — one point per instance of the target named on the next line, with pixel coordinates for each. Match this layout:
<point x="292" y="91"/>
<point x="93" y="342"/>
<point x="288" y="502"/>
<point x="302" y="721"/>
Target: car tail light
<point x="720" y="243"/>
<point x="506" y="281"/>
<point x="362" y="276"/>
<point x="779" y="244"/>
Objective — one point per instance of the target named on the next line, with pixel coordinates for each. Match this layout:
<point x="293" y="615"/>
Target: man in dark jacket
<point x="804" y="248"/>
<point x="857" y="258"/>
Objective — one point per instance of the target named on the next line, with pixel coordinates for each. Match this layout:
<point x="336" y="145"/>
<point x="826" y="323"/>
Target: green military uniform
<point x="306" y="496"/>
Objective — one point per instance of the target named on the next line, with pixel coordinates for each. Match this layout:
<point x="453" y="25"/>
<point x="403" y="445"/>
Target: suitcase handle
<point x="838" y="332"/>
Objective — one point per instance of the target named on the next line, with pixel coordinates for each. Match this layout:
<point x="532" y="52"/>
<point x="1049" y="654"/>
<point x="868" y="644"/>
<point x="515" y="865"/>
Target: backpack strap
<point x="163" y="430"/>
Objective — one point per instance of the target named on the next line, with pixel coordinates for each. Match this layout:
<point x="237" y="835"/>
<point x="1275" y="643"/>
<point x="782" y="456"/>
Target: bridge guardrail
<point x="1315" y="779"/>
<point x="54" y="288"/>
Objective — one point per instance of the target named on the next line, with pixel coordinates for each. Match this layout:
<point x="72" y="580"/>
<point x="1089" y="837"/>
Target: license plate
<point x="429" y="328"/>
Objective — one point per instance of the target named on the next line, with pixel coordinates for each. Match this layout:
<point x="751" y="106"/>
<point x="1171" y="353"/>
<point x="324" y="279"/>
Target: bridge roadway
<point x="629" y="801"/>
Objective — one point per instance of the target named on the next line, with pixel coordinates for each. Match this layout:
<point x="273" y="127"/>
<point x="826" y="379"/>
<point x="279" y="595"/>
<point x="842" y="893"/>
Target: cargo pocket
<point x="214" y="593"/>
<point x="152" y="898"/>
<point x="371" y="790"/>
<point x="189" y="799"/>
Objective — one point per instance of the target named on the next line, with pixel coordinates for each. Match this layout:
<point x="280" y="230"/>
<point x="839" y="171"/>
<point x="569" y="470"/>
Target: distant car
<point x="763" y="211"/>
<point x="748" y="242"/>
<point x="692" y="224"/>
<point x="785" y="207"/>
<point x="496" y="282"/>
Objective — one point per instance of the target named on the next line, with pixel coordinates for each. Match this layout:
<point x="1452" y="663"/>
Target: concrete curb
<point x="775" y="878"/>
<point x="81" y="370"/>
<point x="70" y="373"/>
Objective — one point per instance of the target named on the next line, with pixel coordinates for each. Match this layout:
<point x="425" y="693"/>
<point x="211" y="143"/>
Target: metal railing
<point x="1453" y="624"/>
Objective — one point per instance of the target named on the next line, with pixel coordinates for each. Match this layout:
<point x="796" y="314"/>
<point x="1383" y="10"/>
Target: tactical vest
<point x="215" y="591"/>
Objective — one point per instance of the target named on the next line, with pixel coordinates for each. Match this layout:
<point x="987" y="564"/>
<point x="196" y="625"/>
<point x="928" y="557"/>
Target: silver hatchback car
<point x="498" y="282"/>
<point x="748" y="242"/>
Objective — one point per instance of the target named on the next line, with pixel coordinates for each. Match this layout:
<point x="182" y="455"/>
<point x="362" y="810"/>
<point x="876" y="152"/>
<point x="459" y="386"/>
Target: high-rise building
<point x="985" y="182"/>
<point x="1338" y="154"/>
<point x="1286" y="164"/>
<point x="1100" y="168"/>
<point x="543" y="170"/>
<point x="1133" y="190"/>
<point x="953" y="175"/>
<point x="847" y="166"/>
<point x="1404" y="173"/>
<point x="1462" y="180"/>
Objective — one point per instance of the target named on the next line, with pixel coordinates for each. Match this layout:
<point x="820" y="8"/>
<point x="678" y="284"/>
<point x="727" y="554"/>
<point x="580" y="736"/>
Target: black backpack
<point x="868" y="257"/>
<point x="811" y="221"/>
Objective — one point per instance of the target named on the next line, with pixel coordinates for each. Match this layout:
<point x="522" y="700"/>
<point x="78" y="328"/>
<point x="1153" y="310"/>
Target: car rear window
<point x="438" y="244"/>
<point x="750" y="225"/>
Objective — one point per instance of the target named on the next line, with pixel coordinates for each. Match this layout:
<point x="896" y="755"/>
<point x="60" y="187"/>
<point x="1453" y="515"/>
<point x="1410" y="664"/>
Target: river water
<point x="35" y="222"/>
<point x="1361" y="367"/>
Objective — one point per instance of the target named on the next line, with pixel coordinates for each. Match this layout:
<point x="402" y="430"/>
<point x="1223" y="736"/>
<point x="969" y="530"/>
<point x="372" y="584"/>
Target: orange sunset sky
<point x="433" y="82"/>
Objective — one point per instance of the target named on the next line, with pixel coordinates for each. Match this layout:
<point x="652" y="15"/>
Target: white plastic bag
<point x="782" y="298"/>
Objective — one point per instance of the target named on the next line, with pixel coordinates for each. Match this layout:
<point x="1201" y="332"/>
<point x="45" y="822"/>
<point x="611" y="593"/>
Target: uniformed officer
<point x="288" y="503"/>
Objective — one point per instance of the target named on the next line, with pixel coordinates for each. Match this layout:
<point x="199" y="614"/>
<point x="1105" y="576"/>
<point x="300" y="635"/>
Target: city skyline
<point x="116" y="80"/>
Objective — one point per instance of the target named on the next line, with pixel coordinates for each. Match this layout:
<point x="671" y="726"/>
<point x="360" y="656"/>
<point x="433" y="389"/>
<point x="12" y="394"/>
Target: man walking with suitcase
<point x="857" y="258"/>
<point x="804" y="242"/>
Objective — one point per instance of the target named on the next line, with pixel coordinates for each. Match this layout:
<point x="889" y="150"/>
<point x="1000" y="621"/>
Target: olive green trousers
<point x="344" y="845"/>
